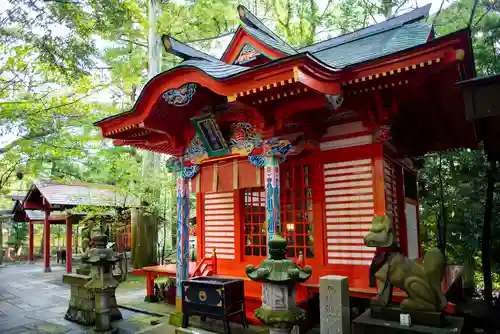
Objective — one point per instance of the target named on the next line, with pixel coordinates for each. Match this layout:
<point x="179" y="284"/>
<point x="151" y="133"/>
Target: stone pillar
<point x="46" y="243"/>
<point x="335" y="311"/>
<point x="272" y="181"/>
<point x="69" y="246"/>
<point x="182" y="189"/>
<point x="31" y="243"/>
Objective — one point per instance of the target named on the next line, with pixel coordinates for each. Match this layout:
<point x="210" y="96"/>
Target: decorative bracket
<point x="180" y="97"/>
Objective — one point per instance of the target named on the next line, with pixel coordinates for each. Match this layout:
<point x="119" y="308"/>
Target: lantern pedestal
<point x="103" y="285"/>
<point x="279" y="276"/>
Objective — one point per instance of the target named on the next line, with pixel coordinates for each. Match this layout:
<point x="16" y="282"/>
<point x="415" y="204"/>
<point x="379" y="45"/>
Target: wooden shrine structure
<point x="45" y="198"/>
<point x="308" y="142"/>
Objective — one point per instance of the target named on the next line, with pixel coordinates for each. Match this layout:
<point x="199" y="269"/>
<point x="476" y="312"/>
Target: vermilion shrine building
<point x="310" y="142"/>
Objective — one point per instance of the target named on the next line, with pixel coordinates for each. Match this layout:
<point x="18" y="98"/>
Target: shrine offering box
<point x="213" y="297"/>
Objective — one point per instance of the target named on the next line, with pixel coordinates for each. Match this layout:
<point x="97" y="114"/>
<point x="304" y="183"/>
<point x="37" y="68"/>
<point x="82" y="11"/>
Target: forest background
<point x="67" y="63"/>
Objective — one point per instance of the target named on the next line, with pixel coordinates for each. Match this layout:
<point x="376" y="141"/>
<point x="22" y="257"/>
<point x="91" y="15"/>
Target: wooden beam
<point x="33" y="206"/>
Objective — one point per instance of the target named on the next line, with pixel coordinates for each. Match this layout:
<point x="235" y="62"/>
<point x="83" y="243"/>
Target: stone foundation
<point x="81" y="308"/>
<point x="82" y="301"/>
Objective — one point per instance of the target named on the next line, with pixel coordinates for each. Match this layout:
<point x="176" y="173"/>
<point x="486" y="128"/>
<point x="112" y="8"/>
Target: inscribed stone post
<point x="334" y="305"/>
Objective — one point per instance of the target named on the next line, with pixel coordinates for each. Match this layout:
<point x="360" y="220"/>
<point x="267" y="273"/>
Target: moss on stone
<point x="280" y="319"/>
<point x="175" y="319"/>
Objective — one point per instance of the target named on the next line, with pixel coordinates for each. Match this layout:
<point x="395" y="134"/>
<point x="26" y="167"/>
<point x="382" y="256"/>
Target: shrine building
<point x="307" y="142"/>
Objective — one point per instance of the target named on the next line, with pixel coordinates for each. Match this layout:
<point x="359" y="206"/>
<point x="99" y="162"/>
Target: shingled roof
<point x="74" y="194"/>
<point x="394" y="35"/>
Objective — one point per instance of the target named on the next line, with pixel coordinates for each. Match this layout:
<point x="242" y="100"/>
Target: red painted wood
<point x="46" y="242"/>
<point x="238" y="224"/>
<point x="400" y="195"/>
<point x="378" y="185"/>
<point x="242" y="37"/>
<point x="33" y="205"/>
<point x="69" y="247"/>
<point x="200" y="237"/>
<point x="31" y="241"/>
<point x="322" y="86"/>
<point x="319" y="259"/>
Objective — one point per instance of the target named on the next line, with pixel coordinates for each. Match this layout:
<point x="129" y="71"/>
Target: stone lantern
<point x="103" y="284"/>
<point x="279" y="276"/>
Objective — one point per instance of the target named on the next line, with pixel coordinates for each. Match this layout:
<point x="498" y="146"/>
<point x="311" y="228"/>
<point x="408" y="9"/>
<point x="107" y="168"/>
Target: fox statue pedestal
<point x="425" y="301"/>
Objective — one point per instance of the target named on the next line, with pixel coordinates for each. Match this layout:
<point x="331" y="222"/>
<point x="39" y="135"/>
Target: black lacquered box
<point x="213" y="297"/>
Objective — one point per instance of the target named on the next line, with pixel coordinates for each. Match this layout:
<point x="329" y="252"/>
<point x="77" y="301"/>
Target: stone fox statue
<point x="421" y="282"/>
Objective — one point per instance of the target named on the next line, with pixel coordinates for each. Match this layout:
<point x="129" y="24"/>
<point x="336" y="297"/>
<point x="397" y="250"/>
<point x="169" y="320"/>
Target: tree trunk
<point x="144" y="237"/>
<point x="485" y="250"/>
<point x="41" y="242"/>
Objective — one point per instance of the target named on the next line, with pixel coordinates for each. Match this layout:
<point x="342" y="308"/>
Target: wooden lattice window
<point x="255" y="222"/>
<point x="297" y="209"/>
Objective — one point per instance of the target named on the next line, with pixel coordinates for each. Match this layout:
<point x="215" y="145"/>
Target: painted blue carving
<point x="278" y="147"/>
<point x="190" y="171"/>
<point x="257" y="160"/>
<point x="181" y="96"/>
<point x="173" y="164"/>
<point x="195" y="150"/>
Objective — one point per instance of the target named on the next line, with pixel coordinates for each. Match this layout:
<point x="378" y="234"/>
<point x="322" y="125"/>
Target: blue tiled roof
<point x="395" y="22"/>
<point x="275" y="43"/>
<point x="218" y="70"/>
<point x="375" y="46"/>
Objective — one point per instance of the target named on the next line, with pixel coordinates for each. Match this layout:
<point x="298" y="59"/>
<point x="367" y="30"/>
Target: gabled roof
<point x="392" y="23"/>
<point x="396" y="34"/>
<point x="74" y="194"/>
<point x="259" y="30"/>
<point x="376" y="45"/>
<point x="276" y="44"/>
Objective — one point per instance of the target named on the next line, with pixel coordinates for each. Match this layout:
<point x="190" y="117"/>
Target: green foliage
<point x="18" y="235"/>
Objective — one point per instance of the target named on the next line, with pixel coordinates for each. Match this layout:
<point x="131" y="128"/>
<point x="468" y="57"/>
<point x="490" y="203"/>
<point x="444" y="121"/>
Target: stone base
<point x="392" y="313"/>
<point x="110" y="331"/>
<point x="151" y="299"/>
<point x="47" y="270"/>
<point x="81" y="317"/>
<point x="273" y="330"/>
<point x="175" y="319"/>
<point x="82" y="301"/>
<point x="365" y="323"/>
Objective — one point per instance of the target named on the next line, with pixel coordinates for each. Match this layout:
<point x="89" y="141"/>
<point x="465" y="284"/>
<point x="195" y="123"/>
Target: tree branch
<point x="481" y="17"/>
<point x="133" y="42"/>
<point x="438" y="12"/>
<point x="326" y="9"/>
<point x="210" y="38"/>
<point x="27" y="137"/>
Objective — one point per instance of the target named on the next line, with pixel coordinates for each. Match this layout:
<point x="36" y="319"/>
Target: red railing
<point x="206" y="267"/>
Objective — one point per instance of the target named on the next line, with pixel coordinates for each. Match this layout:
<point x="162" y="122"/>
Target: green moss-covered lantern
<point x="279" y="276"/>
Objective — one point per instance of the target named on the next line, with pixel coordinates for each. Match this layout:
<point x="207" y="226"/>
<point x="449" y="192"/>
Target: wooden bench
<point x="205" y="267"/>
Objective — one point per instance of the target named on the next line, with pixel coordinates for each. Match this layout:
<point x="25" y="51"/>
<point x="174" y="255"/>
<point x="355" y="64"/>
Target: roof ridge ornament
<point x="185" y="51"/>
<point x="248" y="18"/>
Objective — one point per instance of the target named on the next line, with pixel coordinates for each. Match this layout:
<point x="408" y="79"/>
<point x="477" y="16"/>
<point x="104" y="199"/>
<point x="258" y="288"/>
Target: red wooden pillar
<point x="46" y="242"/>
<point x="31" y="242"/>
<point x="69" y="239"/>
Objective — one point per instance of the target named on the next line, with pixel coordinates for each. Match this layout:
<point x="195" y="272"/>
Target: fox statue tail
<point x="434" y="264"/>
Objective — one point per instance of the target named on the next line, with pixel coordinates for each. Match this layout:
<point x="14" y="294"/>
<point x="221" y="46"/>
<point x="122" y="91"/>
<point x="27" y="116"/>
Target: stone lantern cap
<point x="100" y="254"/>
<point x="278" y="269"/>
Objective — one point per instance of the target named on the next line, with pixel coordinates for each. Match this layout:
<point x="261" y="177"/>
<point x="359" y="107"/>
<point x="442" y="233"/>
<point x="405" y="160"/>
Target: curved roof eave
<point x="222" y="79"/>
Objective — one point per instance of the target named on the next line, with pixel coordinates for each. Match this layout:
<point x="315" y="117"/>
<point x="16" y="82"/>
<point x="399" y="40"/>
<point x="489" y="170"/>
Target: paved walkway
<point x="35" y="302"/>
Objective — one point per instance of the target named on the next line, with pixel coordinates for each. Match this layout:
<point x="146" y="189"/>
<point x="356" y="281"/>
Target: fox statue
<point x="421" y="282"/>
